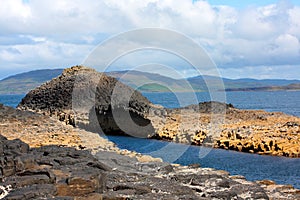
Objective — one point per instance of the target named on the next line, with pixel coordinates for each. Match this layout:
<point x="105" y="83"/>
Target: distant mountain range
<point x="24" y="82"/>
<point x="150" y="82"/>
<point x="144" y="81"/>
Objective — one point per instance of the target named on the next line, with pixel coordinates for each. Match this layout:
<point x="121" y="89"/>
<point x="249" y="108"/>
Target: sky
<point x="245" y="39"/>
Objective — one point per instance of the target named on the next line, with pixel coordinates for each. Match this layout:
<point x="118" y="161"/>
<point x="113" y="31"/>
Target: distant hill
<point x="150" y="82"/>
<point x="24" y="82"/>
<point x="293" y="86"/>
<point x="239" y="84"/>
<point x="159" y="83"/>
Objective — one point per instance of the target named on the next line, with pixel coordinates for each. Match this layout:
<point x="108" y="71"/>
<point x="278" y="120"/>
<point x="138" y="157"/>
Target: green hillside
<point x="24" y="82"/>
<point x="150" y="82"/>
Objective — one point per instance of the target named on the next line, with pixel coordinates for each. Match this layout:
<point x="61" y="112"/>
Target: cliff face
<point x="86" y="98"/>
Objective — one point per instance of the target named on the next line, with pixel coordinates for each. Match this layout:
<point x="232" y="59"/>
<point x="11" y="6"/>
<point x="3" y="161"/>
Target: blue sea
<point x="11" y="100"/>
<point x="253" y="167"/>
<point x="278" y="101"/>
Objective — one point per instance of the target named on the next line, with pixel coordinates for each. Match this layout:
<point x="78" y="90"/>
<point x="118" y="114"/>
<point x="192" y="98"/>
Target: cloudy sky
<point x="257" y="39"/>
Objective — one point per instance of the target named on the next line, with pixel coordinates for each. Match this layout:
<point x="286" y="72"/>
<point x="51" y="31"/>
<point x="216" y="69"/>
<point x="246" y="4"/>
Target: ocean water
<point x="253" y="167"/>
<point x="277" y="101"/>
<point x="11" y="100"/>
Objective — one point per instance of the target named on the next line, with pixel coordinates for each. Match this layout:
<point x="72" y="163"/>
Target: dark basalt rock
<point x="49" y="171"/>
<point x="86" y="98"/>
<point x="52" y="172"/>
<point x="210" y="107"/>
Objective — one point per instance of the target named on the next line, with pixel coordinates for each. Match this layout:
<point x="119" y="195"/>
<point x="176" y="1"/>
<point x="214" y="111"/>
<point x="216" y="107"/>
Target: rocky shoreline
<point x="52" y="169"/>
<point x="122" y="174"/>
<point x="93" y="108"/>
<point x="250" y="131"/>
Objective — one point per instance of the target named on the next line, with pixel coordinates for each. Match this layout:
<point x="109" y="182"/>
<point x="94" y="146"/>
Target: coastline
<point x="191" y="181"/>
<point x="54" y="99"/>
<point x="252" y="131"/>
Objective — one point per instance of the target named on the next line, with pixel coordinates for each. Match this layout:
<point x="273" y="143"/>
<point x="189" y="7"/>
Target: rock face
<point x="86" y="98"/>
<point x="262" y="133"/>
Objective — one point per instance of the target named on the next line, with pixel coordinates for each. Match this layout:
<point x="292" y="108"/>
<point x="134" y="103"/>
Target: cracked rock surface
<point x="66" y="173"/>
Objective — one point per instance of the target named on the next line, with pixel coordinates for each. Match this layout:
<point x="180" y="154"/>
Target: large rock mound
<point x="86" y="98"/>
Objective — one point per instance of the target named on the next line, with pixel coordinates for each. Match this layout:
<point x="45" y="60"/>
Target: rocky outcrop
<point x="39" y="130"/>
<point x="262" y="133"/>
<point x="63" y="170"/>
<point x="49" y="171"/>
<point x="66" y="173"/>
<point x="86" y="98"/>
<point x="252" y="131"/>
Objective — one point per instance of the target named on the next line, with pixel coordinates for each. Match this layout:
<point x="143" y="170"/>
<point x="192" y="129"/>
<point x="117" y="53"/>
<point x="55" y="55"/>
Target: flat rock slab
<point x="131" y="164"/>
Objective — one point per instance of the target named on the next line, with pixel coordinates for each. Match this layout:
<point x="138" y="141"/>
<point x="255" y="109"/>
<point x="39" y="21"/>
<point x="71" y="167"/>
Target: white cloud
<point x="294" y="16"/>
<point x="62" y="32"/>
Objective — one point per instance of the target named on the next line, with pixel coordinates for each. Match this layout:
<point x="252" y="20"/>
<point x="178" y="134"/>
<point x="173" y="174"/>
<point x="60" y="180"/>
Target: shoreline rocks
<point x="250" y="131"/>
<point x="66" y="173"/>
<point x="103" y="171"/>
<point x="39" y="130"/>
<point x="71" y="163"/>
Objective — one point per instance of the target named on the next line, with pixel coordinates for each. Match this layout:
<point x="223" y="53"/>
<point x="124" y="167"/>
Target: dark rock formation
<point x="65" y="173"/>
<point x="210" y="107"/>
<point x="48" y="171"/>
<point x="84" y="97"/>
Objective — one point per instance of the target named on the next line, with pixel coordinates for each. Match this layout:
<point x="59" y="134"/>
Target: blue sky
<point x="247" y="3"/>
<point x="255" y="39"/>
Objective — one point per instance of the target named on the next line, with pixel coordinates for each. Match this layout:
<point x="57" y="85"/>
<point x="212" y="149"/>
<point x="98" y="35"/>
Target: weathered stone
<point x="239" y="130"/>
<point x="81" y="176"/>
<point x="110" y="100"/>
<point x="33" y="192"/>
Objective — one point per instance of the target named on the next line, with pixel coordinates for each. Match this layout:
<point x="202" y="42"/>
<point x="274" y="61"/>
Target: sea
<point x="254" y="167"/>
